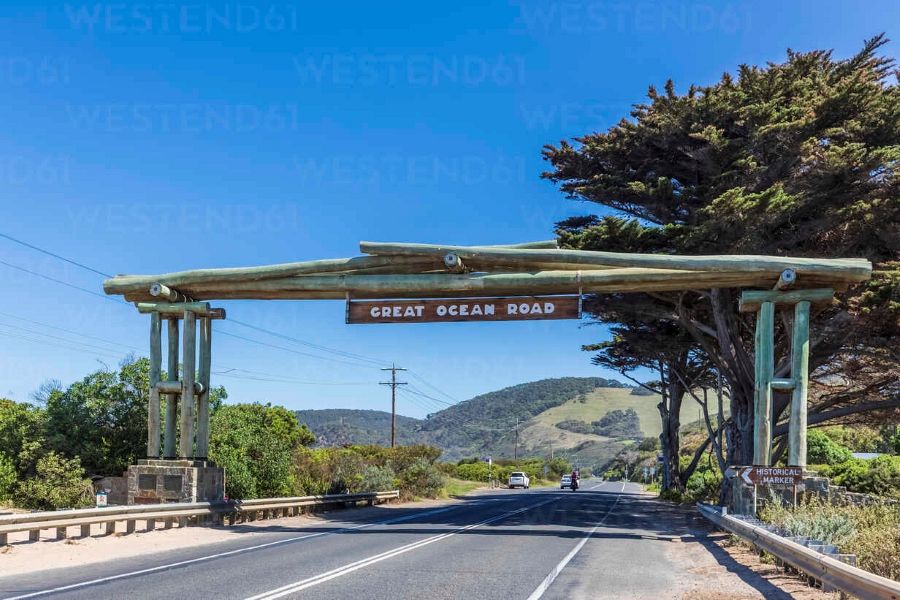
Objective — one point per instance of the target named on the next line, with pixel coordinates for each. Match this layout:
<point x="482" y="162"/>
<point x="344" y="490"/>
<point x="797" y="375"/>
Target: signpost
<point x="516" y="308"/>
<point x="771" y="476"/>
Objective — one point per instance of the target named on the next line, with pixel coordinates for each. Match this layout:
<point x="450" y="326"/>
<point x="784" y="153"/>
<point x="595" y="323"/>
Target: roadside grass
<point x="871" y="532"/>
<point x="458" y="487"/>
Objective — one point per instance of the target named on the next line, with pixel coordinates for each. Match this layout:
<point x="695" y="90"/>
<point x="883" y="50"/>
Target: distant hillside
<point x="339" y="426"/>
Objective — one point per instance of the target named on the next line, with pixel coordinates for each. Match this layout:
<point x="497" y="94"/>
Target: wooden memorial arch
<point x="425" y="282"/>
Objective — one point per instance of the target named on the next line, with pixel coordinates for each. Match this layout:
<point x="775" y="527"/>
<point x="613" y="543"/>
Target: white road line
<point x="551" y="577"/>
<point x="303" y="584"/>
<point x="623" y="488"/>
<point x="82" y="584"/>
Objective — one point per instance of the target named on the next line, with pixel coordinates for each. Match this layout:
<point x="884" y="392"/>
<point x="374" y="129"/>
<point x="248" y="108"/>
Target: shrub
<point x="821" y="449"/>
<point x="377" y="479"/>
<point x="879" y="476"/>
<point x="421" y="478"/>
<point x="872" y="532"/>
<point x="59" y="483"/>
<point x="8" y="479"/>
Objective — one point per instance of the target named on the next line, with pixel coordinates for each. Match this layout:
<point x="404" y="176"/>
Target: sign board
<point x="772" y="475"/>
<point x="518" y="308"/>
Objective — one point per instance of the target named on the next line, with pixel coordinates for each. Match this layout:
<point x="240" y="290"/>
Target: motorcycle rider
<point x="574" y="480"/>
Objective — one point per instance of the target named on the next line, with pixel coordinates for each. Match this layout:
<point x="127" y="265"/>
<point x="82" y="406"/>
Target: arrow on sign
<point x="745" y="475"/>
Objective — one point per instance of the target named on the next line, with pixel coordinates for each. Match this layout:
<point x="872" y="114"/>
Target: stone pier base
<point x="154" y="481"/>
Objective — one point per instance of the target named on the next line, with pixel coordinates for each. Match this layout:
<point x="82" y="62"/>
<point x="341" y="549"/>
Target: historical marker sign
<point x="518" y="308"/>
<point x="772" y="475"/>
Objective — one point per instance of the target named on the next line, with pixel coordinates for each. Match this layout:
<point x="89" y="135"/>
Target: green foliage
<point x="362" y="468"/>
<point x="421" y="477"/>
<point x="649" y="444"/>
<point x="255" y="444"/>
<point x="377" y="479"/>
<point x="872" y="532"/>
<point x="856" y="438"/>
<point x="8" y="479"/>
<point x="58" y="483"/>
<point x="796" y="158"/>
<point x="821" y="449"/>
<point x="879" y="476"/>
<point x="619" y="424"/>
<point x="22" y="435"/>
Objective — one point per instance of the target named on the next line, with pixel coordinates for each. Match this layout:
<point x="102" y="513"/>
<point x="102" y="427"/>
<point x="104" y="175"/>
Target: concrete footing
<point x="154" y="481"/>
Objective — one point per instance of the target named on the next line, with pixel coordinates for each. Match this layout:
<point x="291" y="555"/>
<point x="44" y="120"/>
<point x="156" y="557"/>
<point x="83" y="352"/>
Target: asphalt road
<point x="593" y="543"/>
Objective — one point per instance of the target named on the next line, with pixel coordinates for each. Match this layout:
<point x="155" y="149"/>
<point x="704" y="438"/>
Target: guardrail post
<point x="167" y="523"/>
<point x="182" y="522"/>
<point x="3" y="541"/>
<point x="110" y="527"/>
<point x="34" y="535"/>
<point x="151" y="524"/>
<point x="62" y="532"/>
<point x="130" y="525"/>
<point x="86" y="530"/>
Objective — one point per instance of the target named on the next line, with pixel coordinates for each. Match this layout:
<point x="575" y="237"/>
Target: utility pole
<point x="516" y="451"/>
<point x="393" y="383"/>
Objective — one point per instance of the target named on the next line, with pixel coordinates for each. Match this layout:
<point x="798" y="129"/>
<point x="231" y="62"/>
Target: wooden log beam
<point x="752" y="299"/>
<point x="840" y="269"/>
<point x="123" y="284"/>
<point x="203" y="374"/>
<point x="174" y="308"/>
<point x="436" y="285"/>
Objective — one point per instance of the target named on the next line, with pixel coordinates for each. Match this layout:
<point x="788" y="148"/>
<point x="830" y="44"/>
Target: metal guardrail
<point x="170" y="513"/>
<point x="830" y="571"/>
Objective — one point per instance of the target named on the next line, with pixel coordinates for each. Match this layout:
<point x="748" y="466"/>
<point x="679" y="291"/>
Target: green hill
<point x="587" y="419"/>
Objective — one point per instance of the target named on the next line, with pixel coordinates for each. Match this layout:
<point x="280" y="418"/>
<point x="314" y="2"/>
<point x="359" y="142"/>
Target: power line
<point x="57" y="256"/>
<point x="345" y="354"/>
<point x="434" y="387"/>
<point x="291" y="350"/>
<point x="61" y="282"/>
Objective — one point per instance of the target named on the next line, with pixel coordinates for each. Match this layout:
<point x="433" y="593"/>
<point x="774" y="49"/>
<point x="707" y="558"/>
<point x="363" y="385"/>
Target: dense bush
<point x="821" y="449"/>
<point x="411" y="469"/>
<point x="255" y="444"/>
<point x="871" y="532"/>
<point x="58" y="483"/>
<point x="879" y="476"/>
<point x="8" y="479"/>
<point x="421" y="478"/>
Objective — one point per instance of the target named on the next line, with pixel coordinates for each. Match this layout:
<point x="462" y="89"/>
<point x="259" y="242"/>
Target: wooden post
<point x="203" y="375"/>
<point x="765" y="339"/>
<point x="189" y="366"/>
<point x="155" y="372"/>
<point x="800" y="375"/>
<point x="171" y="399"/>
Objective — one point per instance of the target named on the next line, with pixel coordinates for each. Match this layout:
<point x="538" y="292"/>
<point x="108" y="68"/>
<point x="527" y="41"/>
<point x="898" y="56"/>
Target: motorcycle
<point x="574" y="485"/>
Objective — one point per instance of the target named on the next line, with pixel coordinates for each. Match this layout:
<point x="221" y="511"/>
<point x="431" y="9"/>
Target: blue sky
<point x="152" y="137"/>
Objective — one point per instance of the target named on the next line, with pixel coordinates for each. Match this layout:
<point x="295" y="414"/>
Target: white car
<point x="518" y="479"/>
<point x="565" y="482"/>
